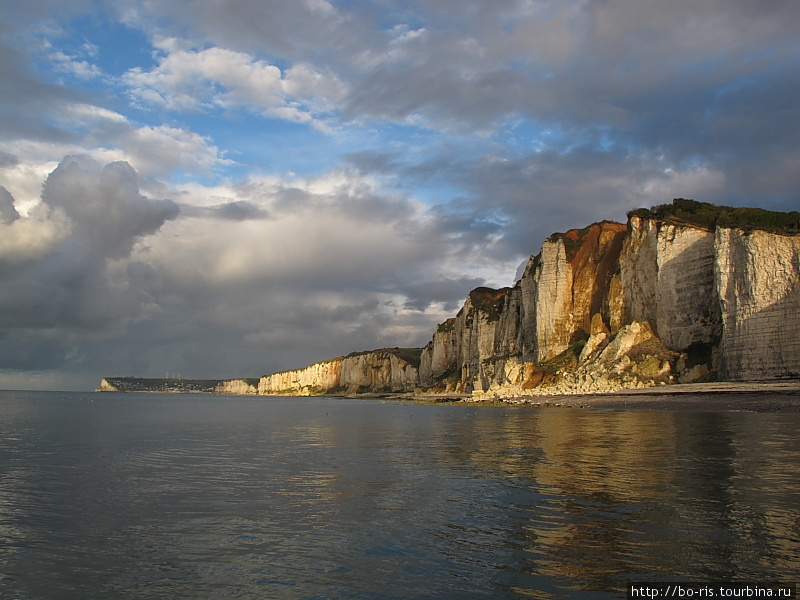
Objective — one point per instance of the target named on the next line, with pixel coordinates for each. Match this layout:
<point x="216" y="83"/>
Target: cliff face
<point x="673" y="296"/>
<point x="314" y="379"/>
<point x="237" y="387"/>
<point x="756" y="276"/>
<point x="485" y="327"/>
<point x="389" y="370"/>
<point x="667" y="276"/>
<point x="546" y="312"/>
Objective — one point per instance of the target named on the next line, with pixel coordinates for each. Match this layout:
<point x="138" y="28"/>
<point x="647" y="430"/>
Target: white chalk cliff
<point x="683" y="292"/>
<point x="387" y="370"/>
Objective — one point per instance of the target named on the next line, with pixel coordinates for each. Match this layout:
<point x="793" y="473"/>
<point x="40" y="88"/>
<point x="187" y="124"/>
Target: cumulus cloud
<point x="339" y="264"/>
<point x="104" y="204"/>
<point x="159" y="151"/>
<point x="188" y="79"/>
<point x="156" y="151"/>
<point x="56" y="288"/>
<point x="32" y="238"/>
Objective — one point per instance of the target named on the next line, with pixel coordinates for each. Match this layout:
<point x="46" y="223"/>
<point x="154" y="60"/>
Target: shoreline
<point x="749" y="396"/>
<point x="783" y="396"/>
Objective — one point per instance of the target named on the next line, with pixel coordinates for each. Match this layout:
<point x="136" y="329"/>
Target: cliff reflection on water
<point x="693" y="496"/>
<point x="131" y="496"/>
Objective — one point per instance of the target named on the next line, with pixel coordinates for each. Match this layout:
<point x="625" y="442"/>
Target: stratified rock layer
<point x="759" y="292"/>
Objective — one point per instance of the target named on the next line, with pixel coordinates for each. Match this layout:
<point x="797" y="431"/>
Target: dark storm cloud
<point x="8" y="212"/>
<point x="56" y="289"/>
<point x="104" y="204"/>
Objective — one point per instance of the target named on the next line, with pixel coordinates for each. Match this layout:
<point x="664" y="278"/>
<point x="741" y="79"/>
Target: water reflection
<point x="652" y="495"/>
<point x="206" y="497"/>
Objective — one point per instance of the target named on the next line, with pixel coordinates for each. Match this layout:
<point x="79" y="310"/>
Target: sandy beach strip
<point x="773" y="396"/>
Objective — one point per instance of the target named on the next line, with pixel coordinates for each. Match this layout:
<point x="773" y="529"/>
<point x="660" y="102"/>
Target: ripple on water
<point x="167" y="497"/>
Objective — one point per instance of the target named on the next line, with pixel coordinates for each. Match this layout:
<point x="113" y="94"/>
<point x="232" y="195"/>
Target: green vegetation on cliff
<point x="143" y="384"/>
<point x="683" y="211"/>
<point x="489" y="301"/>
<point x="410" y="355"/>
<point x="447" y="326"/>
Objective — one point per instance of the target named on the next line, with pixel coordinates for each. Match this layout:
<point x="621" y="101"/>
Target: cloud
<point x="161" y="151"/>
<point x="699" y="85"/>
<point x="334" y="258"/>
<point x="239" y="210"/>
<point x="104" y="204"/>
<point x="28" y="118"/>
<point x="295" y="30"/>
<point x="31" y="238"/>
<point x="459" y="134"/>
<point x="339" y="264"/>
<point x="58" y="291"/>
<point x="156" y="152"/>
<point x="8" y="212"/>
<point x="73" y="65"/>
<point x="187" y="79"/>
<point x="450" y="293"/>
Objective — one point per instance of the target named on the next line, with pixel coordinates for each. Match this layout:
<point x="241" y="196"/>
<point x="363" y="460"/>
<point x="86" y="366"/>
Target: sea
<point x="139" y="496"/>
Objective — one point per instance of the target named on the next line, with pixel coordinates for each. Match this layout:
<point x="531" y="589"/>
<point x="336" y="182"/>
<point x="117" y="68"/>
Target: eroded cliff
<point x="390" y="370"/>
<point x="682" y="292"/>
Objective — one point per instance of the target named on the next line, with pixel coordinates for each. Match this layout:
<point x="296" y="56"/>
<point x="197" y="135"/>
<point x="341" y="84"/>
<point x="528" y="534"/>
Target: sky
<point x="228" y="188"/>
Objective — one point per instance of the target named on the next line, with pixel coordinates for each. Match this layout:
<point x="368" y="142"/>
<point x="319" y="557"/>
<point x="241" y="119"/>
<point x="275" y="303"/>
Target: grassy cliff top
<point x="702" y="214"/>
<point x="410" y="355"/>
<point x="489" y="301"/>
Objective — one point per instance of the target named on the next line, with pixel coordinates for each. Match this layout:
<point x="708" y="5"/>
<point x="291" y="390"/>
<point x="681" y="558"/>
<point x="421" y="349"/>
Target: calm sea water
<point x="194" y="496"/>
